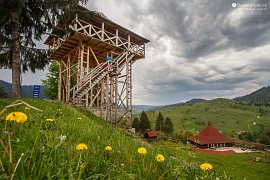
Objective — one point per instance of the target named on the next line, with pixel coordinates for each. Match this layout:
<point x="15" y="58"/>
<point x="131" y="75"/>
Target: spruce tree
<point x="168" y="126"/>
<point x="21" y="23"/>
<point x="144" y="121"/>
<point x="136" y="124"/>
<point x="51" y="82"/>
<point x="159" y="122"/>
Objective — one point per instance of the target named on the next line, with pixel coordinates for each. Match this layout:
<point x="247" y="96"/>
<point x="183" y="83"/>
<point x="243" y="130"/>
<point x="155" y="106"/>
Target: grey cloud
<point x="204" y="27"/>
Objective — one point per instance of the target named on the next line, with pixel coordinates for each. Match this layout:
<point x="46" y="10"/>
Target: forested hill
<point x="27" y="91"/>
<point x="261" y="96"/>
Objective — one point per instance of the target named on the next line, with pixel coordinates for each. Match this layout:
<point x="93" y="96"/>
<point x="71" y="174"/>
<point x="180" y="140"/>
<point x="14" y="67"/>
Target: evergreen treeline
<point x="165" y="126"/>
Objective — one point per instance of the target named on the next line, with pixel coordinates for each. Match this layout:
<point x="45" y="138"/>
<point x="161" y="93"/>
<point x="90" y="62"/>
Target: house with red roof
<point x="151" y="135"/>
<point x="210" y="137"/>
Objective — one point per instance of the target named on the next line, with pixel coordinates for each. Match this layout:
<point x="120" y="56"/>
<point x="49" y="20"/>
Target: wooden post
<point x="68" y="78"/>
<point x="102" y="31"/>
<point x="102" y="98"/>
<point x="129" y="42"/>
<point x="60" y="81"/>
<point x="107" y="97"/>
<point x="116" y="38"/>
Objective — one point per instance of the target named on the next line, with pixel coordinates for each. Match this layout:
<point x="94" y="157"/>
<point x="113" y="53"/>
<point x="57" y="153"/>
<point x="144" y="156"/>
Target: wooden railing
<point x="101" y="34"/>
<point x="96" y="74"/>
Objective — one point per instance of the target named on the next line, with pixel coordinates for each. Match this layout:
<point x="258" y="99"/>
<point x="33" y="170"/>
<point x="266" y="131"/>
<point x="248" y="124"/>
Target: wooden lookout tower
<point x="95" y="57"/>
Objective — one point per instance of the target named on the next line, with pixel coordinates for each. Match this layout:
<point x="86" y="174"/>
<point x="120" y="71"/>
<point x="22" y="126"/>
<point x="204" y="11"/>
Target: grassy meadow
<point x="227" y="115"/>
<point x="235" y="166"/>
<point x="44" y="147"/>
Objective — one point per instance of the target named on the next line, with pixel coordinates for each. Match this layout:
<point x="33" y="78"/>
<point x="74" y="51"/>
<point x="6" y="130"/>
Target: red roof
<point x="210" y="135"/>
<point x="151" y="134"/>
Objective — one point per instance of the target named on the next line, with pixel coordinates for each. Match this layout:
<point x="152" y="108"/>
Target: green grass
<point x="227" y="116"/>
<point x="46" y="157"/>
<point x="239" y="166"/>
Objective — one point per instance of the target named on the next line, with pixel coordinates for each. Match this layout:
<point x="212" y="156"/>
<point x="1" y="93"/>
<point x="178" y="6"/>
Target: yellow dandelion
<point x="81" y="147"/>
<point x="108" y="148"/>
<point x="142" y="151"/>
<point x="18" y="117"/>
<point x="206" y="166"/>
<point x="49" y="120"/>
<point x="79" y="118"/>
<point x="160" y="158"/>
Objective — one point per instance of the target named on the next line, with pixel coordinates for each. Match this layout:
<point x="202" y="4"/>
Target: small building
<point x="151" y="135"/>
<point x="210" y="137"/>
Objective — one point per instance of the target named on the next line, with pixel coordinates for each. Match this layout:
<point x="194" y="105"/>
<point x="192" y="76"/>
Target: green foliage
<point x="183" y="135"/>
<point x="168" y="126"/>
<point x="51" y="81"/>
<point x="144" y="121"/>
<point x="259" y="137"/>
<point x="136" y="124"/>
<point x="159" y="122"/>
<point x="228" y="116"/>
<point x="3" y="93"/>
<point x="35" y="19"/>
<point x="23" y="23"/>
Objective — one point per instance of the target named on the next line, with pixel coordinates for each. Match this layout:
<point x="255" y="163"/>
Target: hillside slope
<point x="48" y="142"/>
<point x="260" y="96"/>
<point x="227" y="115"/>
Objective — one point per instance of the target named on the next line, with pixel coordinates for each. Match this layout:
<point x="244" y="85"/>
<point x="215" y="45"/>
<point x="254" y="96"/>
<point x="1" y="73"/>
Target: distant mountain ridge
<point x="140" y="108"/>
<point x="261" y="96"/>
<point x="195" y="100"/>
<point x="27" y="91"/>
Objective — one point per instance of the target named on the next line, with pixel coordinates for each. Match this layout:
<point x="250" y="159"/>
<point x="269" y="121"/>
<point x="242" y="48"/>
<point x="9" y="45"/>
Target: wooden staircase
<point x="91" y="79"/>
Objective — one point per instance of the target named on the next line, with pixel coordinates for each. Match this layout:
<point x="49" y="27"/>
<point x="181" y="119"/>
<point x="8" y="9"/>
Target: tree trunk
<point x="16" y="63"/>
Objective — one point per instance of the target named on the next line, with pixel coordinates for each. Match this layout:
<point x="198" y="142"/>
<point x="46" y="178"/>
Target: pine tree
<point x="136" y="124"/>
<point x="22" y="22"/>
<point x="3" y="93"/>
<point x="168" y="126"/>
<point x="159" y="122"/>
<point x="51" y="82"/>
<point x="144" y="121"/>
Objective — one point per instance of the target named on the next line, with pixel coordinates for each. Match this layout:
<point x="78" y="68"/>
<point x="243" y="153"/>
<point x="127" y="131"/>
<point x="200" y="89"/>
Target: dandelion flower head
<point x="160" y="158"/>
<point x="18" y="117"/>
<point x="206" y="166"/>
<point x="108" y="148"/>
<point x="142" y="151"/>
<point x="49" y="120"/>
<point x="81" y="147"/>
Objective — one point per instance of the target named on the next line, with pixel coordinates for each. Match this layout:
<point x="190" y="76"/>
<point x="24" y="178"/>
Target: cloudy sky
<point x="198" y="49"/>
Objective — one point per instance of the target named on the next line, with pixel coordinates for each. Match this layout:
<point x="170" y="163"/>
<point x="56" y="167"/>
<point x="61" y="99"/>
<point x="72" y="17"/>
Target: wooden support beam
<point x="60" y="81"/>
<point x="93" y="54"/>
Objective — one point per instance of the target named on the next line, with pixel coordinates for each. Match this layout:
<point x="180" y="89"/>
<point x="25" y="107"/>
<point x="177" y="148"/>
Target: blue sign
<point x="36" y="91"/>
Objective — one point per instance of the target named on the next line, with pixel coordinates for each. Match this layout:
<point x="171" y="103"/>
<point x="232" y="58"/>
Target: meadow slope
<point x="227" y="115"/>
<point x="44" y="147"/>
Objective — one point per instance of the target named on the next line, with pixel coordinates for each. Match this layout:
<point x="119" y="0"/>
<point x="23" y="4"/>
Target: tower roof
<point x="95" y="18"/>
<point x="210" y="135"/>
